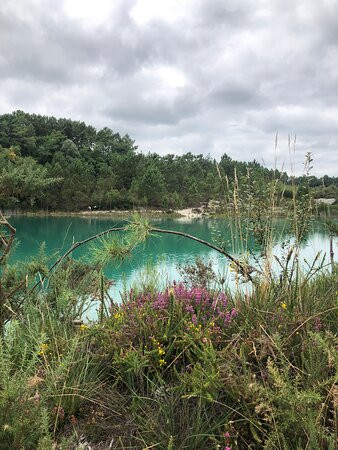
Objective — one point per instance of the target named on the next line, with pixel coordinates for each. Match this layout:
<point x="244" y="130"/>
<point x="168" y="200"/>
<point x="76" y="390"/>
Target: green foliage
<point x="330" y="191"/>
<point x="47" y="374"/>
<point x="117" y="249"/>
<point x="23" y="416"/>
<point x="108" y="249"/>
<point x="149" y="185"/>
<point x="22" y="179"/>
<point x="102" y="169"/>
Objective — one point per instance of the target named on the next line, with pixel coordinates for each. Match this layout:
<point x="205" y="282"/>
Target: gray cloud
<point x="205" y="77"/>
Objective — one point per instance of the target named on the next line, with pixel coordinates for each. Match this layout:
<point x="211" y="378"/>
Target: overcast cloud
<point x="206" y="76"/>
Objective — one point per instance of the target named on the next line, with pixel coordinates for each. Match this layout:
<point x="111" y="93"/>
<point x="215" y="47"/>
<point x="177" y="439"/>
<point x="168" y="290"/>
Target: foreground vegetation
<point x="191" y="367"/>
<point x="188" y="366"/>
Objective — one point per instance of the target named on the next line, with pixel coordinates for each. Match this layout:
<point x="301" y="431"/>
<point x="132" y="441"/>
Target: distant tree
<point x="17" y="130"/>
<point x="193" y="193"/>
<point x="150" y="185"/>
<point x="108" y="142"/>
<point x="175" y="200"/>
<point x="22" y="179"/>
<point x="49" y="145"/>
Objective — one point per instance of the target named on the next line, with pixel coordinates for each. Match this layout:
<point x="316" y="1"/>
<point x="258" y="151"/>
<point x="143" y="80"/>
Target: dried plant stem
<point x="6" y="242"/>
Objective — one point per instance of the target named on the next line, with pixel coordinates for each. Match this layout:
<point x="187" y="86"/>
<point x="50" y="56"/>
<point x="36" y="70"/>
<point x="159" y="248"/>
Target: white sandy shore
<point x="189" y="213"/>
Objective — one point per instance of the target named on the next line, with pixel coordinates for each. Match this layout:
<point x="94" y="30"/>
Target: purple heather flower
<point x="318" y="324"/>
<point x="227" y="318"/>
<point x="161" y="301"/>
<point x="223" y="299"/>
<point x="209" y="305"/>
<point x="233" y="312"/>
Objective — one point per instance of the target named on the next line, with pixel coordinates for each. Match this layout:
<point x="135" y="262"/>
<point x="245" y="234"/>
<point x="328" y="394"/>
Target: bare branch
<point x="245" y="270"/>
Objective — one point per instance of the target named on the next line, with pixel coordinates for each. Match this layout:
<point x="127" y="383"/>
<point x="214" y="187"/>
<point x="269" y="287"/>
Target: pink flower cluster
<point x="200" y="304"/>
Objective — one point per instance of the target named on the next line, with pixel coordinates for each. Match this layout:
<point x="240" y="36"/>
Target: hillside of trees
<point x="74" y="166"/>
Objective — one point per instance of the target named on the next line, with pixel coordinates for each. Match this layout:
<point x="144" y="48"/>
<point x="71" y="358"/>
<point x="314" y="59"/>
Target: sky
<point x="205" y="76"/>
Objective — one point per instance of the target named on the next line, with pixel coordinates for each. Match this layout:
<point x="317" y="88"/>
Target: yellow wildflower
<point x="283" y="305"/>
<point x="83" y="327"/>
<point x="233" y="267"/>
<point x="117" y="315"/>
<point x="161" y="351"/>
<point x="43" y="349"/>
<point x="162" y="362"/>
<point x="11" y="154"/>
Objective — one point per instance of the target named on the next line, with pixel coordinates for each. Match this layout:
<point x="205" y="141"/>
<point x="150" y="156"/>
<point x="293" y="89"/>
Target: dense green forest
<point x="61" y="164"/>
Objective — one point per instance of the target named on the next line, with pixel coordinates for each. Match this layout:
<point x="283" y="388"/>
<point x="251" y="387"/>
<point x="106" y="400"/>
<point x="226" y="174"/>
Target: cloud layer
<point x="181" y="75"/>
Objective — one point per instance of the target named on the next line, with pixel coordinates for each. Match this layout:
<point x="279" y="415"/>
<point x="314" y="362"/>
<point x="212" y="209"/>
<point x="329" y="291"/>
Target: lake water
<point x="162" y="253"/>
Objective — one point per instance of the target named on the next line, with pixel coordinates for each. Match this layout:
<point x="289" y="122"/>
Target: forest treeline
<point x="62" y="164"/>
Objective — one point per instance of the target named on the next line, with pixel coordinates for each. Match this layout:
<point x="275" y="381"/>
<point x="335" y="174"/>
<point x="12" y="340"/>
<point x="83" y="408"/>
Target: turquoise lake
<point x="162" y="253"/>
